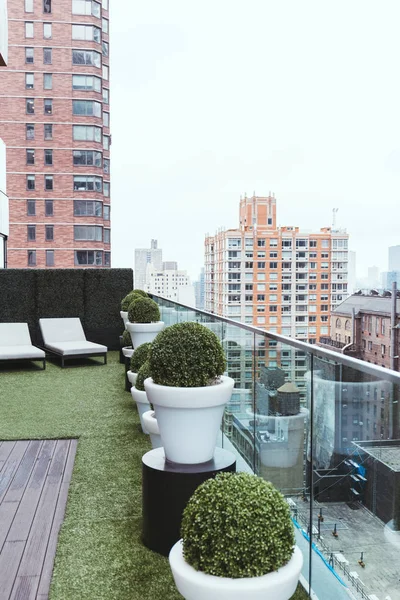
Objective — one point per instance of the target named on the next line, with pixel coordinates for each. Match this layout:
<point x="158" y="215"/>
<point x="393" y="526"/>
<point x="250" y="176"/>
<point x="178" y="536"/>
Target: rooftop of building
<point x="367" y="303"/>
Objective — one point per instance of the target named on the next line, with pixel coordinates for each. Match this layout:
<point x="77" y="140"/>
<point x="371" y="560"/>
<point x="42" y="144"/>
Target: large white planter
<point x="127" y="351"/>
<point x="131" y="377"/>
<point x="144" y="332"/>
<point x="196" y="585"/>
<point x="142" y="404"/>
<point x="151" y="425"/>
<point x="189" y="419"/>
<point x="124" y="316"/>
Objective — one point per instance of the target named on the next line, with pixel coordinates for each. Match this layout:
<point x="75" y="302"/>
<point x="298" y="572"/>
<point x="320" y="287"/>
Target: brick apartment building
<point x="55" y="122"/>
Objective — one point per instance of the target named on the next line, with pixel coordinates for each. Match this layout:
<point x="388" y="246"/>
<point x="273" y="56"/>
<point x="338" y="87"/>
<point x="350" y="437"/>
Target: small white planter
<point x="196" y="585"/>
<point x="142" y="404"/>
<point x="127" y="351"/>
<point x="131" y="377"/>
<point x="151" y="425"/>
<point x="144" y="332"/>
<point x="189" y="418"/>
<point x="124" y="316"/>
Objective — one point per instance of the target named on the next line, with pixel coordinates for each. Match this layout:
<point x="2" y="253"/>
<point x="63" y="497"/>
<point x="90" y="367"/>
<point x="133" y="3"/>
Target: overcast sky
<point x="216" y="98"/>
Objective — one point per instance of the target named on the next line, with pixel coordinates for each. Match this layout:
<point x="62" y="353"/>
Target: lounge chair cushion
<point x="20" y="352"/>
<point x="72" y="348"/>
<point x="15" y="343"/>
<point x="62" y="330"/>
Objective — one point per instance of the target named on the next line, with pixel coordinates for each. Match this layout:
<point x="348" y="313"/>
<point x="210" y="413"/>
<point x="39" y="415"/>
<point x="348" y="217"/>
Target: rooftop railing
<point x="324" y="428"/>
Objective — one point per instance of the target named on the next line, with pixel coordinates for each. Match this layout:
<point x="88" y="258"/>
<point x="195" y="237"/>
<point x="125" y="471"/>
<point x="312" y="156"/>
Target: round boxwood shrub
<point x="143" y="310"/>
<point x="126" y="339"/>
<point x="131" y="296"/>
<point x="237" y="525"/>
<point x="186" y="355"/>
<point x="140" y="356"/>
<point x="143" y="373"/>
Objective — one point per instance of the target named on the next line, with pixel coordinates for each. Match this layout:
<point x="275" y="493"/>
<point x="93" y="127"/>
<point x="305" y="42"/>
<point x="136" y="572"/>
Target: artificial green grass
<point x="100" y="554"/>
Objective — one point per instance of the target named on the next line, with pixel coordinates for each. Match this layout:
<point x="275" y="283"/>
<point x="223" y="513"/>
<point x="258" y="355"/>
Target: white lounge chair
<point x="66" y="338"/>
<point x="16" y="344"/>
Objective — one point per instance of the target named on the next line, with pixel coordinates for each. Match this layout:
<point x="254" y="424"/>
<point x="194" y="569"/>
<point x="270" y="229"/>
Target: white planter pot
<point x="151" y="425"/>
<point x="124" y="316"/>
<point x="131" y="377"/>
<point x="142" y="404"/>
<point x="196" y="585"/>
<point x="144" y="332"/>
<point x="127" y="351"/>
<point x="189" y="418"/>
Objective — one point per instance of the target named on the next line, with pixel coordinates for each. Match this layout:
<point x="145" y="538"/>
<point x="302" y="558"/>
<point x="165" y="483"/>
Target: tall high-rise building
<point x="55" y="121"/>
<point x="394" y="258"/>
<point x="199" y="290"/>
<point x="170" y="282"/>
<point x="4" y="227"/>
<point x="276" y="278"/>
<point x="144" y="257"/>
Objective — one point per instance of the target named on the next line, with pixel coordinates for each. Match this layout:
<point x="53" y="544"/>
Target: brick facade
<point x="13" y="129"/>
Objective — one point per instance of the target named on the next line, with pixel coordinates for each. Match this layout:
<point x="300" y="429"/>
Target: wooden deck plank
<point x="21" y="478"/>
<point x="11" y="465"/>
<point x="28" y="505"/>
<point x="10" y="557"/>
<point x="5" y="449"/>
<point x="25" y="588"/>
<point x="7" y="514"/>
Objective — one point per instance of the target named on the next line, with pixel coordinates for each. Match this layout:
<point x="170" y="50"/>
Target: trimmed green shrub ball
<point x="143" y="373"/>
<point x="140" y="356"/>
<point x="140" y="293"/>
<point x="126" y="339"/>
<point x="143" y="310"/>
<point x="237" y="525"/>
<point x="186" y="355"/>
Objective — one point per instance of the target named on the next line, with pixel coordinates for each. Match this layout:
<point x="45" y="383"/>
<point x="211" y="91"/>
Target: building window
<point x="107" y="259"/>
<point x="87" y="157"/>
<point x="88" y="257"/>
<point x="47" y="6"/>
<point x="47" y="81"/>
<point x="104" y="25"/>
<point x="48" y="106"/>
<point x="86" y="133"/>
<point x="49" y="229"/>
<point x="31" y="208"/>
<point x="106" y="236"/>
<point x="86" y="83"/>
<point x="48" y="182"/>
<point x="29" y="55"/>
<point x="86" y="7"/>
<point x="29" y="81"/>
<point x="105" y="48"/>
<point x="347" y="325"/>
<point x="87" y="108"/>
<point x="49" y="258"/>
<point x="48" y="157"/>
<point x="30" y="156"/>
<point x="106" y="96"/>
<point x="106" y="119"/>
<point x="47" y="56"/>
<point x="88" y="183"/>
<point x="31" y="258"/>
<point x="31" y="235"/>
<point x="106" y="165"/>
<point x="105" y="4"/>
<point x="48" y="131"/>
<point x="48" y="208"/>
<point x="383" y="349"/>
<point x="47" y="33"/>
<point x="87" y="208"/>
<point x="106" y="211"/>
<point x="28" y="6"/>
<point x="86" y="57"/>
<point x="29" y="29"/>
<point x="106" y="188"/>
<point x="30" y="182"/>
<point x="105" y="72"/>
<point x="106" y="142"/>
<point x="87" y="33"/>
<point x="30" y="131"/>
<point x="30" y="106"/>
<point x="383" y="323"/>
<point x="90" y="233"/>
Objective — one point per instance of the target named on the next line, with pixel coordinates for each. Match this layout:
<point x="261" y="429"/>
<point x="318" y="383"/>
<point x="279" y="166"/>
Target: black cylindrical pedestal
<point x="121" y="356"/>
<point x="128" y="384"/>
<point x="167" y="488"/>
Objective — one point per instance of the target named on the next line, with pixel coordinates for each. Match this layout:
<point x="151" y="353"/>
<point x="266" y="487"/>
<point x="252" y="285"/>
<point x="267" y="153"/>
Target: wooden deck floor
<point x="34" y="481"/>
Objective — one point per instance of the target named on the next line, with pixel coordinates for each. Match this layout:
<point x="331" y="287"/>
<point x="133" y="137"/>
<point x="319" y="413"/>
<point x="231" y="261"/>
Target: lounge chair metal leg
<point x="62" y="362"/>
<point x="105" y="359"/>
<point x="44" y="364"/>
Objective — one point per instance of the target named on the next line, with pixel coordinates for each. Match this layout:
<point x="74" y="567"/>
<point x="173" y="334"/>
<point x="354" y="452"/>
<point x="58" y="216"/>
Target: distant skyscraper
<point x="352" y="272"/>
<point x="144" y="257"/>
<point x="394" y="258"/>
<point x="170" y="283"/>
<point x="55" y="121"/>
<point x="199" y="287"/>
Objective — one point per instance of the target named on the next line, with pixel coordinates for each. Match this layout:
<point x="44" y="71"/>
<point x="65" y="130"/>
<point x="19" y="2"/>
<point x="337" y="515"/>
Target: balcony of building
<point x="323" y="427"/>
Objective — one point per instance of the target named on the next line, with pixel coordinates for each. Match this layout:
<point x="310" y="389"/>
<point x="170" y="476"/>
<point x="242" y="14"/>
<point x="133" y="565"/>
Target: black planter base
<point x="166" y="489"/>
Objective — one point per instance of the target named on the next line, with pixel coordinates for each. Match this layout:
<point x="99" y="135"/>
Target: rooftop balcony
<point x="326" y="432"/>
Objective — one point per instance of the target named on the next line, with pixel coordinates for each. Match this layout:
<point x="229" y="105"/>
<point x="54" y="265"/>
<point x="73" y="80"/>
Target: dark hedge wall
<point x="26" y="295"/>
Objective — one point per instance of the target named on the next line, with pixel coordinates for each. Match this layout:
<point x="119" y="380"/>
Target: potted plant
<point x="126" y="302"/>
<point x="237" y="542"/>
<point x="188" y="391"/>
<point x="127" y="349"/>
<point x="144" y="321"/>
<point x="139" y="394"/>
<point x="151" y="425"/>
<point x="138" y="358"/>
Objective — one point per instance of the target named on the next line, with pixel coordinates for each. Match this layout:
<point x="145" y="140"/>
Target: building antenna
<point x="334" y="213"/>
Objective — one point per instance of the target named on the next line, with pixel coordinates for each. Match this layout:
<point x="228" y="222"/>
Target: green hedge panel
<point x="18" y="297"/>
